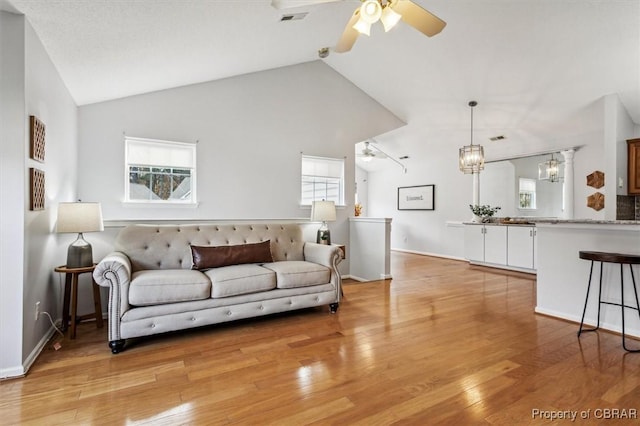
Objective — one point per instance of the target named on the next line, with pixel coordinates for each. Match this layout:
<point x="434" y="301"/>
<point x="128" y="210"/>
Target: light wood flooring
<point x="441" y="343"/>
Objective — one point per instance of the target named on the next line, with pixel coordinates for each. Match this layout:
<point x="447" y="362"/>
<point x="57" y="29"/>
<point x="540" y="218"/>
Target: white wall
<point x="362" y="183"/>
<point x="12" y="184"/>
<point x="250" y="130"/>
<point x="435" y="162"/>
<point x="28" y="249"/>
<point x="48" y="99"/>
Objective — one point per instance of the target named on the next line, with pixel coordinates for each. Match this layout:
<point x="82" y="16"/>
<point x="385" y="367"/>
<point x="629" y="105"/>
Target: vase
<point x="476" y="219"/>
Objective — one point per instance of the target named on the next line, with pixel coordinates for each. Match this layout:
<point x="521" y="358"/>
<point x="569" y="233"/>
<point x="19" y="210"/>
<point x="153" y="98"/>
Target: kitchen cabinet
<point x="474" y="243"/>
<point x="521" y="246"/>
<point x="503" y="246"/>
<point x="485" y="243"/>
<point x="495" y="244"/>
<point x="633" y="166"/>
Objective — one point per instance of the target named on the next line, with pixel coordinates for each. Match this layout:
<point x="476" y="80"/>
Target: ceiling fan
<point x="370" y="151"/>
<point x="369" y="154"/>
<point x="389" y="12"/>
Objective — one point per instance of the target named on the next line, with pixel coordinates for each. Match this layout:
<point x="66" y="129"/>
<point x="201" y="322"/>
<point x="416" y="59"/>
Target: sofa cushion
<point x="298" y="273"/>
<point x="205" y="257"/>
<point x="240" y="279"/>
<point x="167" y="286"/>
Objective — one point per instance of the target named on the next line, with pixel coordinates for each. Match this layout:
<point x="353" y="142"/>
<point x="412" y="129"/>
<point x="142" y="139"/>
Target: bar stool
<point x="621" y="259"/>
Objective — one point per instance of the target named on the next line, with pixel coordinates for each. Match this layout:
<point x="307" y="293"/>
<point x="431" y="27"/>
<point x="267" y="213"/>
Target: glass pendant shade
<point x="389" y="18"/>
<point x="471" y="159"/>
<point x="370" y="11"/>
<point x="362" y="27"/>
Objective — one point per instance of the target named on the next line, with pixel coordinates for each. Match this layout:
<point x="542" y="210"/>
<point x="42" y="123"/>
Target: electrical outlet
<point x="37" y="314"/>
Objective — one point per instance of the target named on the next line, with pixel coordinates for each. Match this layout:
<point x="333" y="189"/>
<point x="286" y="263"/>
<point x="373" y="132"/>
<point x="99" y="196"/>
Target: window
<point x="160" y="171"/>
<point x="527" y="193"/>
<point x="322" y="179"/>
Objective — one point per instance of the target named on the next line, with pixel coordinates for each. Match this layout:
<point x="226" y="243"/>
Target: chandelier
<point x="550" y="170"/>
<point x="471" y="157"/>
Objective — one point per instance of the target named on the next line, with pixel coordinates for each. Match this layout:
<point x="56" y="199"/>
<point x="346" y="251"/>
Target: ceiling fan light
<point x="367" y="158"/>
<point x="362" y="27"/>
<point x="370" y="11"/>
<point x="389" y="18"/>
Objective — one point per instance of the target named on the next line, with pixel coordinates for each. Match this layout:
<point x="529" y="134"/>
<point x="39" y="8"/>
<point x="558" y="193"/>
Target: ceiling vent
<point x="294" y="16"/>
<point x="498" y="138"/>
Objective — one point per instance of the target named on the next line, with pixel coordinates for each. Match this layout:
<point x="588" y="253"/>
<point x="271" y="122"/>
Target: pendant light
<point x="471" y="157"/>
<point x="550" y="170"/>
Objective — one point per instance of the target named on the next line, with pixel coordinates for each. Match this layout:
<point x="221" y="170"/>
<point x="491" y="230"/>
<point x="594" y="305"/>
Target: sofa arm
<point x="327" y="255"/>
<point x="114" y="271"/>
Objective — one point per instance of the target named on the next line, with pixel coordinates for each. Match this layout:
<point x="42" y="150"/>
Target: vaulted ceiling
<point x="536" y="67"/>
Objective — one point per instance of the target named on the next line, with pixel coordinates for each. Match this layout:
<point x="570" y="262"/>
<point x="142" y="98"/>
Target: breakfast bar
<point x="562" y="276"/>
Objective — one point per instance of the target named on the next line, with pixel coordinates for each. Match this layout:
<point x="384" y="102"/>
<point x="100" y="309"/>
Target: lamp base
<point x="323" y="237"/>
<point x="79" y="254"/>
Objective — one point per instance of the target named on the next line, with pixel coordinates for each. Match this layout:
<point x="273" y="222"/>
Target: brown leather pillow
<point x="205" y="257"/>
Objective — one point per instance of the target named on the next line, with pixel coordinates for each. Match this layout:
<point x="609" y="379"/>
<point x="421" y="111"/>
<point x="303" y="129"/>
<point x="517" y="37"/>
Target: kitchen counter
<point x="562" y="275"/>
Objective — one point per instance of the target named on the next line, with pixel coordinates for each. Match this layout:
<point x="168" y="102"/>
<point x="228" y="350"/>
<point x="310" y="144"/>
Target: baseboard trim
<point x="424" y="253"/>
<point x="38" y="349"/>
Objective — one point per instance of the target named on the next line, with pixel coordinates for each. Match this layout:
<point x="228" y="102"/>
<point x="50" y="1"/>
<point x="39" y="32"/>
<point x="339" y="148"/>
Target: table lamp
<point x="323" y="211"/>
<point x="79" y="217"/>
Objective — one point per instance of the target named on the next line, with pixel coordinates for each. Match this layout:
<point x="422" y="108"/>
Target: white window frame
<point x="187" y="161"/>
<point x="332" y="170"/>
<point x="522" y="190"/>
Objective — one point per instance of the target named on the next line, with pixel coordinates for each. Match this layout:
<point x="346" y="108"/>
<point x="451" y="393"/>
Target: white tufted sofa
<point x="153" y="288"/>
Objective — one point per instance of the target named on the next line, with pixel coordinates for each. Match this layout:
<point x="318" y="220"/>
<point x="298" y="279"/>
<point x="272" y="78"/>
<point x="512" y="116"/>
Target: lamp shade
<point x="323" y="211"/>
<point x="79" y="217"/>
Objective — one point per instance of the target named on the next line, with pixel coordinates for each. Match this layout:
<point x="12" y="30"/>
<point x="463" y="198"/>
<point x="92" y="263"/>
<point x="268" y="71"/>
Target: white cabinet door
<point x="474" y="243"/>
<point x="495" y="244"/>
<point x="520" y="246"/>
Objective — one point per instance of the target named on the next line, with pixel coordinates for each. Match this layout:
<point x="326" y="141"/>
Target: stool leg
<point x="586" y="300"/>
<point x="622" y="305"/>
<point x="74" y="305"/>
<point x="65" y="302"/>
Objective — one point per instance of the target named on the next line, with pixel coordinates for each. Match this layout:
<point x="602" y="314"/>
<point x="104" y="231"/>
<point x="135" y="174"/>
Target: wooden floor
<point x="441" y="343"/>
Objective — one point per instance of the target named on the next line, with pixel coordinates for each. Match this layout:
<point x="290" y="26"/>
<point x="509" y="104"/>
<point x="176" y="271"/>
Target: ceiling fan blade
<point x="349" y="36"/>
<point x="420" y="19"/>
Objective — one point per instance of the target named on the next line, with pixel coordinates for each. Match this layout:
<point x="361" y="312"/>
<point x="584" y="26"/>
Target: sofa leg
<point x="334" y="307"/>
<point x="116" y="346"/>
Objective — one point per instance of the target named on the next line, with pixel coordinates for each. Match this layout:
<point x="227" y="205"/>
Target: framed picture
<point x="416" y="197"/>
<point x="36" y="138"/>
<point x="36" y="190"/>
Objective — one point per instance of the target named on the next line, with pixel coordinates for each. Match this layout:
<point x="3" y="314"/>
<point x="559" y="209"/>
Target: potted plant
<point x="483" y="213"/>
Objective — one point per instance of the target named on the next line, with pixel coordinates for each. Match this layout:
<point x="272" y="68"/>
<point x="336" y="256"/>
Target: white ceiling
<point x="536" y="67"/>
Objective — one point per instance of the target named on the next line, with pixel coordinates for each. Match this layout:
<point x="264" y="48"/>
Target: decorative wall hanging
<point x="36" y="137"/>
<point x="596" y="201"/>
<point x="416" y="197"/>
<point x="36" y="189"/>
<point x="596" y="179"/>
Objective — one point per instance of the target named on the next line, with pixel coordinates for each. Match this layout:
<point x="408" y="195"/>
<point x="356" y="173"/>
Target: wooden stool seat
<point x="615" y="258"/>
<point x="601" y="256"/>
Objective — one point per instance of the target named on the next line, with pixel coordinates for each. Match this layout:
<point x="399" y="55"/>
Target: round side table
<point x="70" y="316"/>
